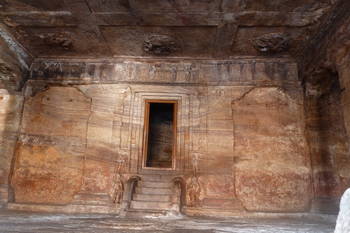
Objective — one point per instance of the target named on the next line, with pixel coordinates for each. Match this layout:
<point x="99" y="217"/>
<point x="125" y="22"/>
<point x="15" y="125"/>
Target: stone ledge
<point x="70" y="209"/>
<point x="211" y="212"/>
<point x="325" y="206"/>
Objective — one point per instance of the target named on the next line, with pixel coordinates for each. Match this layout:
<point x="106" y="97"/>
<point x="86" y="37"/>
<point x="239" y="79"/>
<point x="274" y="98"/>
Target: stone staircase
<point x="153" y="195"/>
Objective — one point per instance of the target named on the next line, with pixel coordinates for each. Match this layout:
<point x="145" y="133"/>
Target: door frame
<point x="146" y="133"/>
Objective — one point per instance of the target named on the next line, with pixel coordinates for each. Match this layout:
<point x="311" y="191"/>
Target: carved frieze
<point x="239" y="72"/>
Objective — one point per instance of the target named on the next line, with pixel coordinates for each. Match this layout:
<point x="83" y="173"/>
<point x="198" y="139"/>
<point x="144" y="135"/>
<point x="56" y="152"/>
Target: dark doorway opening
<point x="160" y="133"/>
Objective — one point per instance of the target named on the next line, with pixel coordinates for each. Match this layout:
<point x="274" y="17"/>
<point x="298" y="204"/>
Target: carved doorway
<point x="160" y="134"/>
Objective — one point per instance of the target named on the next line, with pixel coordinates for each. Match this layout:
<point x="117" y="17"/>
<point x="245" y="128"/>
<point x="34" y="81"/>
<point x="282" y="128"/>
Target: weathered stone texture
<point x="327" y="108"/>
<point x="245" y="143"/>
<point x="10" y="69"/>
<point x="344" y="74"/>
<point x="271" y="155"/>
<point x="338" y="55"/>
<point x="50" y="152"/>
<point x="328" y="144"/>
<point x="10" y="114"/>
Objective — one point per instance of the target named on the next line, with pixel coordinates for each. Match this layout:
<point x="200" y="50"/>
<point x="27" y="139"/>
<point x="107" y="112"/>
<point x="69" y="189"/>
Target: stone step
<point x="150" y="205"/>
<point x="133" y="213"/>
<point x="157" y="178"/>
<point x="154" y="184"/>
<point x="145" y="190"/>
<point x="152" y="197"/>
<point x="91" y="199"/>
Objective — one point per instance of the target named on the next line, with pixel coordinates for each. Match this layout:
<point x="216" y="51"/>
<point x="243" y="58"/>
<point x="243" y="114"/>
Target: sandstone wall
<point x="339" y="53"/>
<point x="240" y="128"/>
<point x="10" y="113"/>
<point x="273" y="161"/>
<point x="49" y="157"/>
<point x="329" y="147"/>
<point x="344" y="74"/>
<point x="328" y="115"/>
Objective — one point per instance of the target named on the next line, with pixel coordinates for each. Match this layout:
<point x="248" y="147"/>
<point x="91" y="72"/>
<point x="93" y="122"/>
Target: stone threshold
<point x="222" y="213"/>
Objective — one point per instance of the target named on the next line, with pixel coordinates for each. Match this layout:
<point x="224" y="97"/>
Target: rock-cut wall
<point x="240" y="130"/>
<point x="327" y="109"/>
<point x="11" y="102"/>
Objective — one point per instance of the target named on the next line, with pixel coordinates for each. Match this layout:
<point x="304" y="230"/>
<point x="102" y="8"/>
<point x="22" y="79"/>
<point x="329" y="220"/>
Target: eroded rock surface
<point x="51" y="147"/>
<point x="325" y="71"/>
<point x="225" y="122"/>
<point x="268" y="116"/>
<point x="11" y="100"/>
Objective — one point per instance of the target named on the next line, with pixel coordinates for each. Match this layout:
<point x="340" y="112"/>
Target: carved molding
<point x="230" y="72"/>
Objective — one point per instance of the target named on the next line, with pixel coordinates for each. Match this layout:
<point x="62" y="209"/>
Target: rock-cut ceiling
<point x="176" y="28"/>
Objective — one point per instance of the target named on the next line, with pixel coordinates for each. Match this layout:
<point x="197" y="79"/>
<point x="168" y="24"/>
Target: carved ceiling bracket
<point x="61" y="40"/>
<point x="272" y="43"/>
<point x="157" y="44"/>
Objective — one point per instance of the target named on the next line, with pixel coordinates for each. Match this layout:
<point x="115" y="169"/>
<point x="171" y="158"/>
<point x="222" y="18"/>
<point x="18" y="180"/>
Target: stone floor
<point x="53" y="223"/>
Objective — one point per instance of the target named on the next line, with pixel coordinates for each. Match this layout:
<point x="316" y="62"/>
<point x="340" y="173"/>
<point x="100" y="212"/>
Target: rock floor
<point x="36" y="223"/>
